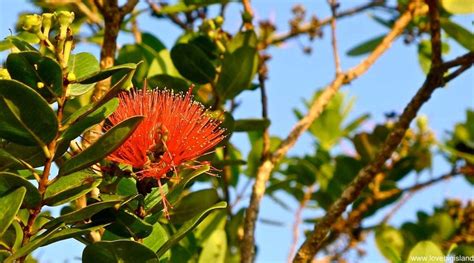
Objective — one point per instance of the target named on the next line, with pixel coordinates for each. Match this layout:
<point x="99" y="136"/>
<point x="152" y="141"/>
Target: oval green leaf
<point x="82" y="65"/>
<point x="458" y="6"/>
<point x="365" y="47"/>
<point x="463" y="36"/>
<point x="244" y="125"/>
<point x="187" y="227"/>
<point x="10" y="204"/>
<point x="25" y="117"/>
<point x="10" y="181"/>
<point x="31" y="68"/>
<point x="124" y="251"/>
<point x="103" y="74"/>
<point x="238" y="70"/>
<point x="104" y="146"/>
<point x="69" y="187"/>
<point x="193" y="63"/>
<point x="426" y="249"/>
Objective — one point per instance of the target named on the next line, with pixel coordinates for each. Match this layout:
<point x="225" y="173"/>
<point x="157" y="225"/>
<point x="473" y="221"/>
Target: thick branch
<point x="265" y="169"/>
<point x="434" y="80"/>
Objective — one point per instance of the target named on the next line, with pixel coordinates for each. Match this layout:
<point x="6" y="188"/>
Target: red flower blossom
<point x="175" y="130"/>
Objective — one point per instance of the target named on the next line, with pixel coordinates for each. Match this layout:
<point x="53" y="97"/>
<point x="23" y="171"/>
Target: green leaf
<point x="206" y="45"/>
<point x="21" y="44"/>
<point x="83" y="213"/>
<point x="244" y="125"/>
<point x="238" y="70"/>
<point x="153" y="42"/>
<point x="215" y="248"/>
<point x="69" y="187"/>
<point x="193" y="63"/>
<point x="153" y="202"/>
<point x="458" y="33"/>
<point x="10" y="181"/>
<point x="243" y="39"/>
<point x="13" y="237"/>
<point x="123" y="251"/>
<point x="25" y="117"/>
<point x="424" y="54"/>
<point x="187" y="227"/>
<point x="31" y="68"/>
<point x="426" y="249"/>
<point x="103" y="74"/>
<point x="441" y="226"/>
<point x="129" y="225"/>
<point x="104" y="146"/>
<point x="84" y="111"/>
<point x="458" y="6"/>
<point x="33" y="244"/>
<point x="366" y="46"/>
<point x="12" y="153"/>
<point x="90" y="120"/>
<point x="163" y="81"/>
<point x="192" y="204"/>
<point x="10" y="204"/>
<point x="390" y="242"/>
<point x="215" y="221"/>
<point x="157" y="238"/>
<point x="71" y="232"/>
<point x="82" y="65"/>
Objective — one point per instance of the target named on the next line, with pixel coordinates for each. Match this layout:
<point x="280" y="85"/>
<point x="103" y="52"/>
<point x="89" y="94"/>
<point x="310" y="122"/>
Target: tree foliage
<point x="54" y="102"/>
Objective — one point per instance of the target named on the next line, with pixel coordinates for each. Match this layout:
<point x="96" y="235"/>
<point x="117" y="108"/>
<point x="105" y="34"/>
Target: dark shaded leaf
<point x="25" y="117"/>
<point x="244" y="125"/>
<point x="193" y="63"/>
<point x="104" y="146"/>
<point x="41" y="73"/>
<point x="365" y="47"/>
<point x="10" y="181"/>
<point x="238" y="70"/>
<point x="124" y="251"/>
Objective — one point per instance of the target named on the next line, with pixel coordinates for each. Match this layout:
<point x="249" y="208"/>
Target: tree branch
<point x="266" y="167"/>
<point x="311" y="26"/>
<point x="434" y="80"/>
<point x="337" y="63"/>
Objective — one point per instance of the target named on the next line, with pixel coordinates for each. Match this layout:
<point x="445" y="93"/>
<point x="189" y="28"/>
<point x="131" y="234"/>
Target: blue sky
<point x="387" y="86"/>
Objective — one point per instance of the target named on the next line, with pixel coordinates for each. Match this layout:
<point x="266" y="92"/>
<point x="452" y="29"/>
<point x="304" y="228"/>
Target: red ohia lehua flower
<point x="174" y="131"/>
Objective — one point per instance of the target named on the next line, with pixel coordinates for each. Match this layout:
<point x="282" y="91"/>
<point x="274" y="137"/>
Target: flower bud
<point x="32" y="23"/>
<point x="219" y="20"/>
<point x="71" y="76"/>
<point x="64" y="18"/>
<point x="47" y="20"/>
<point x="422" y="123"/>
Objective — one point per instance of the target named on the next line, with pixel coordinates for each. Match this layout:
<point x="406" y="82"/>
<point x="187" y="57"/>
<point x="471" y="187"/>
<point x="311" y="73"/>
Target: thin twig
<point x="266" y="167"/>
<point x="248" y="11"/>
<point x="93" y="17"/>
<point x="296" y="224"/>
<point x="309" y="27"/>
<point x="337" y="63"/>
<point x="173" y="18"/>
<point x="137" y="34"/>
